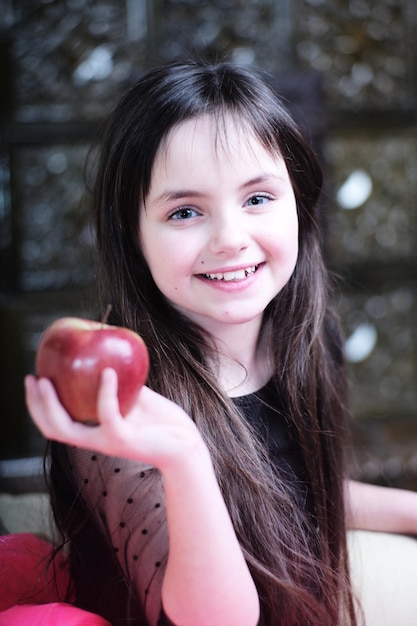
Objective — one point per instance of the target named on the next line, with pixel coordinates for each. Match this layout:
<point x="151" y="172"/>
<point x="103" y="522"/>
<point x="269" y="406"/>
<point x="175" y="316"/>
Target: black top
<point x="265" y="412"/>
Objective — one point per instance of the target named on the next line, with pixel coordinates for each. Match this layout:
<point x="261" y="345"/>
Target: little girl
<point x="221" y="498"/>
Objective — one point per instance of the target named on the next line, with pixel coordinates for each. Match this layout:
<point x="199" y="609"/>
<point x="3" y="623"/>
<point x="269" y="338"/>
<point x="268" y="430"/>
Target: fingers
<point x="45" y="408"/>
<point x="37" y="394"/>
<point x="107" y="402"/>
<point x="33" y="398"/>
<point x="55" y="423"/>
<point x="51" y="418"/>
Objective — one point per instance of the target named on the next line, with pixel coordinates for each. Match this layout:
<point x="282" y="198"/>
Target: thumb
<point x="107" y="401"/>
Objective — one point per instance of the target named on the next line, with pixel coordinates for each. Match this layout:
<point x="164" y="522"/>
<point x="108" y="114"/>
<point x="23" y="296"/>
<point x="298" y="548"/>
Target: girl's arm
<point x="370" y="507"/>
<point x="206" y="580"/>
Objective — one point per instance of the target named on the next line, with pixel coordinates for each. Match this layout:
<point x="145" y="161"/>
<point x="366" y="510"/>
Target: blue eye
<point x="257" y="200"/>
<point x="184" y="213"/>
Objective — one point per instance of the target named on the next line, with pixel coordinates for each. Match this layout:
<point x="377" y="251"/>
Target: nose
<point x="229" y="235"/>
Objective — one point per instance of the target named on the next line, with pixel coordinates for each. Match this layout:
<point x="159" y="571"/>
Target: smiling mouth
<point x="232" y="276"/>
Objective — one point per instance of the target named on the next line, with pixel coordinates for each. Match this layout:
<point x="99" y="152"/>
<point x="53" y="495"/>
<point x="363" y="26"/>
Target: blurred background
<point x="348" y="71"/>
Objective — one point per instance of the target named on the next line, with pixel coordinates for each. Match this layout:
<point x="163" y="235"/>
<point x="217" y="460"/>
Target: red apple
<point x="73" y="352"/>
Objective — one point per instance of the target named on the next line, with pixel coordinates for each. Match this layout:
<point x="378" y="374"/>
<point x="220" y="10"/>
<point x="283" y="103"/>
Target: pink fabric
<point x="25" y="577"/>
<point x="34" y="592"/>
<point x="52" y="614"/>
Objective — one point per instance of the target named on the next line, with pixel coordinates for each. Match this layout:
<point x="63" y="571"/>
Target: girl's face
<point x="219" y="229"/>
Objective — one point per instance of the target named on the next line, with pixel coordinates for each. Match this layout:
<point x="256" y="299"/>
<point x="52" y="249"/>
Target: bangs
<point x="226" y="120"/>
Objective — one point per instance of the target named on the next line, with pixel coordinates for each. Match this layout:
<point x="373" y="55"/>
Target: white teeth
<point x="239" y="275"/>
<point x="229" y="276"/>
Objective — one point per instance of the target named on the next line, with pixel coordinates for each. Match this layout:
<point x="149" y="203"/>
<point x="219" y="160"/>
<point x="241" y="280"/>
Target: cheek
<point x="167" y="264"/>
<point x="292" y="247"/>
<point x="153" y="247"/>
<point x="283" y="237"/>
<point x="292" y="232"/>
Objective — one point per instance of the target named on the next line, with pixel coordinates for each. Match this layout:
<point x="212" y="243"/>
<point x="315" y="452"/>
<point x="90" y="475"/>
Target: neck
<point x="241" y="366"/>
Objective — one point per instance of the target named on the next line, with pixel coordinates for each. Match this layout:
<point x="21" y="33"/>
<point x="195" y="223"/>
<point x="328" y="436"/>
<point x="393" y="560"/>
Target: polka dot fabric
<point x="127" y="501"/>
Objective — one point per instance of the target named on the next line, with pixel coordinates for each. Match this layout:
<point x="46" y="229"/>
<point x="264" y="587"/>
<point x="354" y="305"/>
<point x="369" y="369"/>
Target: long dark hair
<point x="297" y="556"/>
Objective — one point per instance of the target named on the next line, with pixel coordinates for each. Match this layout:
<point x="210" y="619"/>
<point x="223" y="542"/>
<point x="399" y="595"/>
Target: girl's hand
<point x="156" y="431"/>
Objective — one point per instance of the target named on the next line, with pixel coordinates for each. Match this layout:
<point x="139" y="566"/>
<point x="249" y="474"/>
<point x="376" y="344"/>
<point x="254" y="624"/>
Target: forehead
<point x="216" y="138"/>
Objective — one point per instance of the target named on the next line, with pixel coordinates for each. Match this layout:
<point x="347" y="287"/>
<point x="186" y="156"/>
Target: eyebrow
<point x="262" y="179"/>
<point x="178" y="194"/>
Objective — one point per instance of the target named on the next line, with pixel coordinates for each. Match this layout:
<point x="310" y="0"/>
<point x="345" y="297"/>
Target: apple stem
<point x="106" y="314"/>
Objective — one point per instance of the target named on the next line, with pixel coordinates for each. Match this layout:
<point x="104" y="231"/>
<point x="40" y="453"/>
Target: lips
<point x="230" y="276"/>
